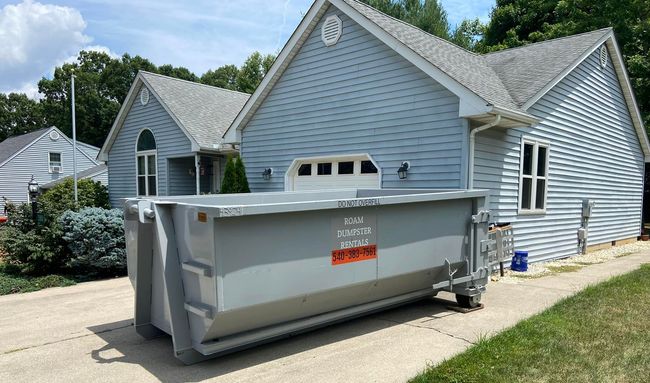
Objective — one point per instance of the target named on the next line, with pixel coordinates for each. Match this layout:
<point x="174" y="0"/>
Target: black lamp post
<point x="32" y="188"/>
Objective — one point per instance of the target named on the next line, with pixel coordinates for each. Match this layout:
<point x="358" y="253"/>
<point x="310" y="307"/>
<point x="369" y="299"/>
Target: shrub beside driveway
<point x="602" y="334"/>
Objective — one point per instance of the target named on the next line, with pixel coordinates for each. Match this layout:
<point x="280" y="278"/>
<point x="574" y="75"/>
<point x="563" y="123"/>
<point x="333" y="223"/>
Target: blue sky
<point x="199" y="35"/>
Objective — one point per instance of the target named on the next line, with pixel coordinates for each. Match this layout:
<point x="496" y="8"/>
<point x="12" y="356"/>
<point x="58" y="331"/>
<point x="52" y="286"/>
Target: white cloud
<point x="35" y="37"/>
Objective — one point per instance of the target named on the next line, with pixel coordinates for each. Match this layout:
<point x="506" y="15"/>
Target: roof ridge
<point x="419" y="29"/>
<point x="193" y="82"/>
<point x="546" y="41"/>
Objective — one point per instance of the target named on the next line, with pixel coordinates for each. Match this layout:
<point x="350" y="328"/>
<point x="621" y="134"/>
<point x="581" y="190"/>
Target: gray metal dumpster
<point x="222" y="273"/>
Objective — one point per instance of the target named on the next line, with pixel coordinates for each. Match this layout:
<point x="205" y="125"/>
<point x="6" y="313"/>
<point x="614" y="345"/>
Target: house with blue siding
<point x="357" y="98"/>
<point x="45" y="154"/>
<point x="167" y="138"/>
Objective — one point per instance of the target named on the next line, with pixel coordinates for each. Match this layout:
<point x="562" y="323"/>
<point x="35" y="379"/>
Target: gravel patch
<point x="571" y="264"/>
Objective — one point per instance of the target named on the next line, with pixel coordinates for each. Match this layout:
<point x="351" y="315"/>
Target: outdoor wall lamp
<point x="266" y="174"/>
<point x="402" y="172"/>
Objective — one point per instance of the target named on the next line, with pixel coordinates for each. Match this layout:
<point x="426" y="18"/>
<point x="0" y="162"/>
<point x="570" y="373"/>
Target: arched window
<point x="147" y="169"/>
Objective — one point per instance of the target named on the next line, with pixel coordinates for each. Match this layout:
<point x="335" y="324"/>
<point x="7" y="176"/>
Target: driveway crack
<point x="63" y="340"/>
<point x="430" y="328"/>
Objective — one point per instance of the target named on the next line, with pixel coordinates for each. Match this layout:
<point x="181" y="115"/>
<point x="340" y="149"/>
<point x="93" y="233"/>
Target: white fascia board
<point x="565" y="72"/>
<point x="470" y="102"/>
<point x="233" y="134"/>
<point x="628" y="92"/>
<point x="119" y="120"/>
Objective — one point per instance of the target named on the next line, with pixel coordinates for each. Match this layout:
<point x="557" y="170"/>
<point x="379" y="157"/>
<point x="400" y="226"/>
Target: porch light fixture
<point x="266" y="174"/>
<point x="402" y="172"/>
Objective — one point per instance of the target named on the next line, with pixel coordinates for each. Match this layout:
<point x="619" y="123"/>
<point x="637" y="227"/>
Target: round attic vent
<point x="144" y="96"/>
<point x="603" y="56"/>
<point x="331" y="30"/>
<point x="54" y="135"/>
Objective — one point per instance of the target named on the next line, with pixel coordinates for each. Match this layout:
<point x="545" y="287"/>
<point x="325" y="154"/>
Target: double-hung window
<point x="55" y="162"/>
<point x="533" y="178"/>
<point x="146" y="166"/>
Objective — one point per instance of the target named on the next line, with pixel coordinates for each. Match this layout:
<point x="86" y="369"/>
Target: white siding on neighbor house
<point x="357" y="96"/>
<point x="16" y="174"/>
<point x="170" y="142"/>
<point x="594" y="153"/>
<point x="101" y="177"/>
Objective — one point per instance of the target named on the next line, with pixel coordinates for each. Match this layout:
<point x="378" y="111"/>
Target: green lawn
<point x="602" y="334"/>
<point x="12" y="282"/>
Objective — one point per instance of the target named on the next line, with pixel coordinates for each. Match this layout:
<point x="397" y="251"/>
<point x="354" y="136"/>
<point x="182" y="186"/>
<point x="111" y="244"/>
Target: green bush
<point x="61" y="197"/>
<point x="95" y="238"/>
<point x="32" y="249"/>
<point x="234" y="177"/>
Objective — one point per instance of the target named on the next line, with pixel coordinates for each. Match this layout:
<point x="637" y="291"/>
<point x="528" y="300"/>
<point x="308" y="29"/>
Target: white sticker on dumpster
<point x="354" y="238"/>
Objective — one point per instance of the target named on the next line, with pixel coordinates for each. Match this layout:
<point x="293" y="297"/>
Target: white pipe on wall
<point x="472" y="144"/>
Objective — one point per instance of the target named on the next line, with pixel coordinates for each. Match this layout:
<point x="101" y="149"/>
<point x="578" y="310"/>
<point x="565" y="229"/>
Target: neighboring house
<point x="46" y="154"/>
<point x="98" y="173"/>
<point x="355" y="93"/>
<point x="166" y="139"/>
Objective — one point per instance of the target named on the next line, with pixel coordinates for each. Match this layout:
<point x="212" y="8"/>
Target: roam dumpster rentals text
<point x="354" y="238"/>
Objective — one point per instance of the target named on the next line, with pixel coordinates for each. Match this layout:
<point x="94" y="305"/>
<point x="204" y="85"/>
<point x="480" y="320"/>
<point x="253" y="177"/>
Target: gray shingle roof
<point x="467" y="68"/>
<point x="205" y="111"/>
<point x="506" y="78"/>
<point x="13" y="145"/>
<point x="528" y="69"/>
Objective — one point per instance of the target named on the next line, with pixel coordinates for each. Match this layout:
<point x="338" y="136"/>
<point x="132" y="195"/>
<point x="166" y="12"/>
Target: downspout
<point x="472" y="144"/>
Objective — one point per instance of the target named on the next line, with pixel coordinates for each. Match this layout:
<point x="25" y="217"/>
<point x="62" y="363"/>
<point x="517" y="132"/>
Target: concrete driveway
<point x="84" y="333"/>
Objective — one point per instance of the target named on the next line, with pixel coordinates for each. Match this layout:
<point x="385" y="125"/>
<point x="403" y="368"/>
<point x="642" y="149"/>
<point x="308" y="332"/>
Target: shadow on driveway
<point x="124" y="345"/>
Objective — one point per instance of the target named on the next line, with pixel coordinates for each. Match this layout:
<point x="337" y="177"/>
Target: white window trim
<point x="146" y="153"/>
<point x="49" y="162"/>
<point x="334" y="159"/>
<point x="534" y="177"/>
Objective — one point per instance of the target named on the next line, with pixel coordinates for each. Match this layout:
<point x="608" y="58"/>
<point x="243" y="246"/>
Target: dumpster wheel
<point x="468" y="302"/>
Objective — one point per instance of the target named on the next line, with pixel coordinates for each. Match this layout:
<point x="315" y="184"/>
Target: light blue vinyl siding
<point x="170" y="141"/>
<point x="16" y="173"/>
<point x="180" y="181"/>
<point x="358" y="96"/>
<point x="594" y="153"/>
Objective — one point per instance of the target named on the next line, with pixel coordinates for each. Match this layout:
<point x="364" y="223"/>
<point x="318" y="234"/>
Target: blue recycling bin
<point x="519" y="261"/>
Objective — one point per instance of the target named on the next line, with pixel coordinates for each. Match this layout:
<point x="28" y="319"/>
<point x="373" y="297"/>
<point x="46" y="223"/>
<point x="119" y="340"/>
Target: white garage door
<point x="333" y="173"/>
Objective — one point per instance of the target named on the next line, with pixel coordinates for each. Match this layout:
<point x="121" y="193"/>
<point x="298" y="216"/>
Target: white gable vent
<point x="144" y="96"/>
<point x="331" y="30"/>
<point x="603" y="56"/>
<point x="54" y="135"/>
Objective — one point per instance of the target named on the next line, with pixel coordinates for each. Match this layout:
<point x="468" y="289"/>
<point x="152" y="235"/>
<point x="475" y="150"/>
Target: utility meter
<point x="587" y="207"/>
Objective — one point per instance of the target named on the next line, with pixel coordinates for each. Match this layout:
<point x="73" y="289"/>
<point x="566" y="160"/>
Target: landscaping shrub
<point x="95" y="238"/>
<point x="234" y="177"/>
<point x="61" y="197"/>
<point x="30" y="248"/>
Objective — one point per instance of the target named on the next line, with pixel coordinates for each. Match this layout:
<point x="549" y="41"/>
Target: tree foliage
<point x="101" y="85"/>
<point x="517" y="22"/>
<point x="19" y="115"/>
<point x="431" y="17"/>
<point x="61" y="197"/>
<point x="95" y="238"/>
<point x="234" y="177"/>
